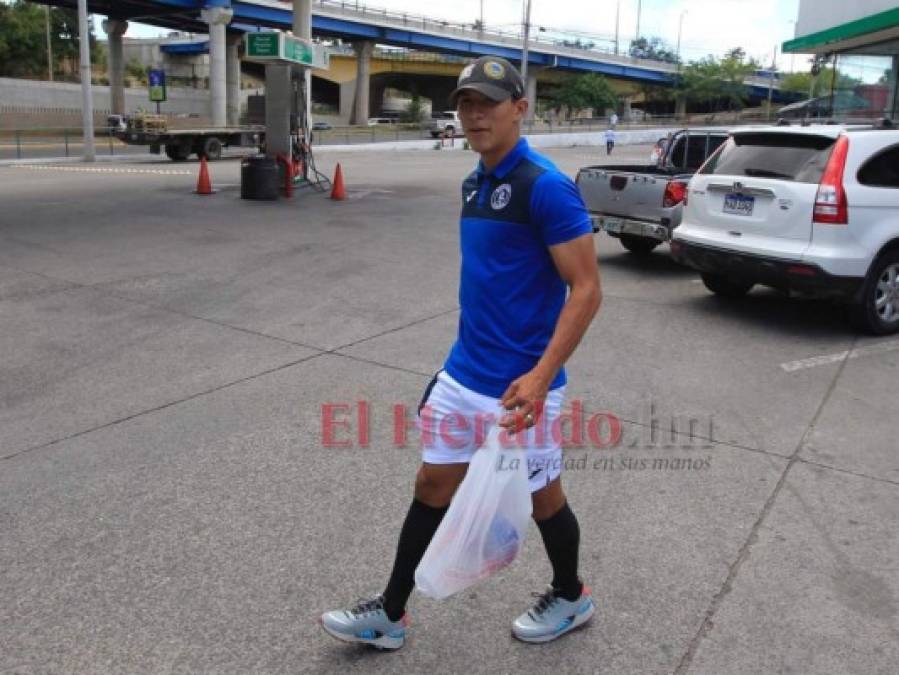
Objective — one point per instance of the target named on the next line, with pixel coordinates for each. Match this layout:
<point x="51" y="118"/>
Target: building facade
<point x="856" y="50"/>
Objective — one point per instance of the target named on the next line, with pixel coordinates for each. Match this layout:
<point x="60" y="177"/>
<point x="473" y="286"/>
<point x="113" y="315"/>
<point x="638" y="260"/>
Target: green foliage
<point x="136" y="71"/>
<point x="710" y="80"/>
<point x="653" y="49"/>
<point x="414" y="112"/>
<point x="820" y="85"/>
<point x="23" y="39"/>
<point x="585" y="91"/>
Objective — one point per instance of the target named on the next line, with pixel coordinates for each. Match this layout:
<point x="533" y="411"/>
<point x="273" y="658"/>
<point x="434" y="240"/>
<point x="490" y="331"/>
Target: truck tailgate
<point x="623" y="193"/>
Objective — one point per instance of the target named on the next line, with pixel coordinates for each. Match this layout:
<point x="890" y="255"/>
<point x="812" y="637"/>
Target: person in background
<point x="610" y="140"/>
<point x="613" y="120"/>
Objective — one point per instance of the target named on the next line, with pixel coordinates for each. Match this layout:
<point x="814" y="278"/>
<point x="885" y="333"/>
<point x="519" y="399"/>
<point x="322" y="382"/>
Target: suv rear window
<point x="443" y="116"/>
<point x="795" y="157"/>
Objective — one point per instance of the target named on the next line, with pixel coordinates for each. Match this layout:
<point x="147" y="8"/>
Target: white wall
<point x="818" y="15"/>
<point x="36" y="94"/>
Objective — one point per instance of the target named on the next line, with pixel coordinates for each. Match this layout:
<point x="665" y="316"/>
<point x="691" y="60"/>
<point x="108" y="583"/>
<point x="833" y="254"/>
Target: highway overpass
<point x="363" y="26"/>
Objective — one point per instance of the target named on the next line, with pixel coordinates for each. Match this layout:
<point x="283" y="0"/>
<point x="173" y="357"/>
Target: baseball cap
<point x="492" y="76"/>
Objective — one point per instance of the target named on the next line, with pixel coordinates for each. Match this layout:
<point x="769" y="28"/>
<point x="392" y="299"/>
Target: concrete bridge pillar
<point x="361" y="105"/>
<point x="217" y="17"/>
<point x="530" y="92"/>
<point x="627" y="114"/>
<point x="115" y="29"/>
<point x="347" y="100"/>
<point x="680" y="107"/>
<point x="232" y="78"/>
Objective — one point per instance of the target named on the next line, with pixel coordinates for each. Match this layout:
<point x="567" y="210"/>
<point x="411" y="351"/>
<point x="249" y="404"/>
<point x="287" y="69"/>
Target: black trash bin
<point x="259" y="178"/>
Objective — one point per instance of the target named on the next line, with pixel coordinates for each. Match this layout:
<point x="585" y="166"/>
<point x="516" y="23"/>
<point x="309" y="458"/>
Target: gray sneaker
<point x="553" y="616"/>
<point x="366" y="623"/>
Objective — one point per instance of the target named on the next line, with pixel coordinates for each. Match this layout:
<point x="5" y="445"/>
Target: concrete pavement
<point x="167" y="505"/>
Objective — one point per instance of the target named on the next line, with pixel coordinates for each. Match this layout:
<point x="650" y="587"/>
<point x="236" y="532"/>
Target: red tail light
<point x="831" y="205"/>
<point x="675" y="193"/>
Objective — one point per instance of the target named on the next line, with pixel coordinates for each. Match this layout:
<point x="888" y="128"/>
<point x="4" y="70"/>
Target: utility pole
<point x="639" y="12"/>
<point x="771" y="80"/>
<point x="527" y="33"/>
<point x="87" y="97"/>
<point x="482" y="14"/>
<point x="680" y="30"/>
<point x="617" y="23"/>
<point x="49" y="44"/>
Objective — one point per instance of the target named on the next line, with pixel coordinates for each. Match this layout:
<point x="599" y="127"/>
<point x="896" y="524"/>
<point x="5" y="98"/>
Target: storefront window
<point x="863" y="82"/>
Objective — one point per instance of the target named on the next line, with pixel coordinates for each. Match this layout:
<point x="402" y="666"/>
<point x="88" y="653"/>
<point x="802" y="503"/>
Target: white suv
<point x="810" y="208"/>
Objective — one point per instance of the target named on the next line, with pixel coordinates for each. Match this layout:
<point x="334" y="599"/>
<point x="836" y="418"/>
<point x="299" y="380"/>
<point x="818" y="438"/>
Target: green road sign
<point x="269" y="46"/>
<point x="264" y="45"/>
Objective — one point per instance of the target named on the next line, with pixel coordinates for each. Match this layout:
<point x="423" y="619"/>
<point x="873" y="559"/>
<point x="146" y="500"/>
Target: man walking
<point x="526" y="240"/>
<point x="610" y="141"/>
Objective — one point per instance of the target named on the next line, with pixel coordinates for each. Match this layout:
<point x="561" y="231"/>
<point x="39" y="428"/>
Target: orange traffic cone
<point x="338" y="192"/>
<point x="204" y="185"/>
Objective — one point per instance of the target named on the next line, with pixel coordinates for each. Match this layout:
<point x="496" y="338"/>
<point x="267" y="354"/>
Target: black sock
<point x="561" y="536"/>
<point x="418" y="529"/>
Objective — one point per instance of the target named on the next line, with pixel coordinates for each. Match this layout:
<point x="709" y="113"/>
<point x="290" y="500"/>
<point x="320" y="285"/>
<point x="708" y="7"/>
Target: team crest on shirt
<point x="501" y="197"/>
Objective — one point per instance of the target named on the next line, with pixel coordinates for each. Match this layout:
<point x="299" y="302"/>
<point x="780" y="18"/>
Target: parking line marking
<point x="97" y="169"/>
<point x="827" y="359"/>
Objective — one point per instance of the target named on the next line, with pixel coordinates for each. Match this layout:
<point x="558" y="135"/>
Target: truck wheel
<point x="212" y="149"/>
<point x="435" y="134"/>
<point x="638" y="245"/>
<point x="877" y="310"/>
<point x="728" y="288"/>
<point x="177" y="152"/>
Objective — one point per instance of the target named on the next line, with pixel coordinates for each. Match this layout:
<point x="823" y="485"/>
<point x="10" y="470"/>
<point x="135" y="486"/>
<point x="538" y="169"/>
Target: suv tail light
<point x="831" y="205"/>
<point x="675" y="193"/>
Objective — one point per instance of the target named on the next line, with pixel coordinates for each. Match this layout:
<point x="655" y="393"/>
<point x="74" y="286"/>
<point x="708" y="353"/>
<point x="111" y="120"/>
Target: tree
<point x="136" y="70"/>
<point x="653" y="49"/>
<point x="820" y="85"/>
<point x="23" y="41"/>
<point x="585" y="91"/>
<point x="711" y="81"/>
<point x="414" y="112"/>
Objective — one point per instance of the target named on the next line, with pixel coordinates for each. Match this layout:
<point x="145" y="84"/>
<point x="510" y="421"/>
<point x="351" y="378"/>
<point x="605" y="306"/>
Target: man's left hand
<point x="525" y="397"/>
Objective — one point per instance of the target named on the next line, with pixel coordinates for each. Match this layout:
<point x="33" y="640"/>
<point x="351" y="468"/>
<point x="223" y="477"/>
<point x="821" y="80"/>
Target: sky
<point x="709" y="26"/>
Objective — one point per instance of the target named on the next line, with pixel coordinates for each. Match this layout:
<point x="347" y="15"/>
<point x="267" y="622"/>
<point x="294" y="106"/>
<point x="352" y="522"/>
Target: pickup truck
<point x="445" y="123"/>
<point x="640" y="205"/>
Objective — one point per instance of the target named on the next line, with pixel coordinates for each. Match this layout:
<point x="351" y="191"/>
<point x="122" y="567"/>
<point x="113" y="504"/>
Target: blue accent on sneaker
<point x="553" y="616"/>
<point x="567" y="622"/>
<point x="367" y="623"/>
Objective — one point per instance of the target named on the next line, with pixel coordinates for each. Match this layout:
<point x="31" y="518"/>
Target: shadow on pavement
<point x="658" y="263"/>
<point x="796" y="316"/>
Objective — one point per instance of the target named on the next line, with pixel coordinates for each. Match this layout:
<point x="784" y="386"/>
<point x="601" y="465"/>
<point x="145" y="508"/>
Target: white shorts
<point x="453" y="421"/>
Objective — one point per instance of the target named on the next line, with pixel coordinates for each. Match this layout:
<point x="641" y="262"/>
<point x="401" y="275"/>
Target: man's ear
<point x="522" y="105"/>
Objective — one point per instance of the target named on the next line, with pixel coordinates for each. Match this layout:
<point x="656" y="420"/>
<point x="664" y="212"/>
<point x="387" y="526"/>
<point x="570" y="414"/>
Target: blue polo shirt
<point x="510" y="291"/>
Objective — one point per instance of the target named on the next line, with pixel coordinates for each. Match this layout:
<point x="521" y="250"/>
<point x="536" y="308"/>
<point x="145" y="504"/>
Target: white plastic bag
<point x="484" y="528"/>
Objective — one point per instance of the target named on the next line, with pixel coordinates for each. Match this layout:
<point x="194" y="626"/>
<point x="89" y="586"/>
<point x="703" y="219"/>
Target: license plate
<point x="739" y="205"/>
<point x="612" y="225"/>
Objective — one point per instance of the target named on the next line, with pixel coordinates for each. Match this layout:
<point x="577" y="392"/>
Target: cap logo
<point x="494" y="70"/>
<point x="501" y="197"/>
<point x="466" y="72"/>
